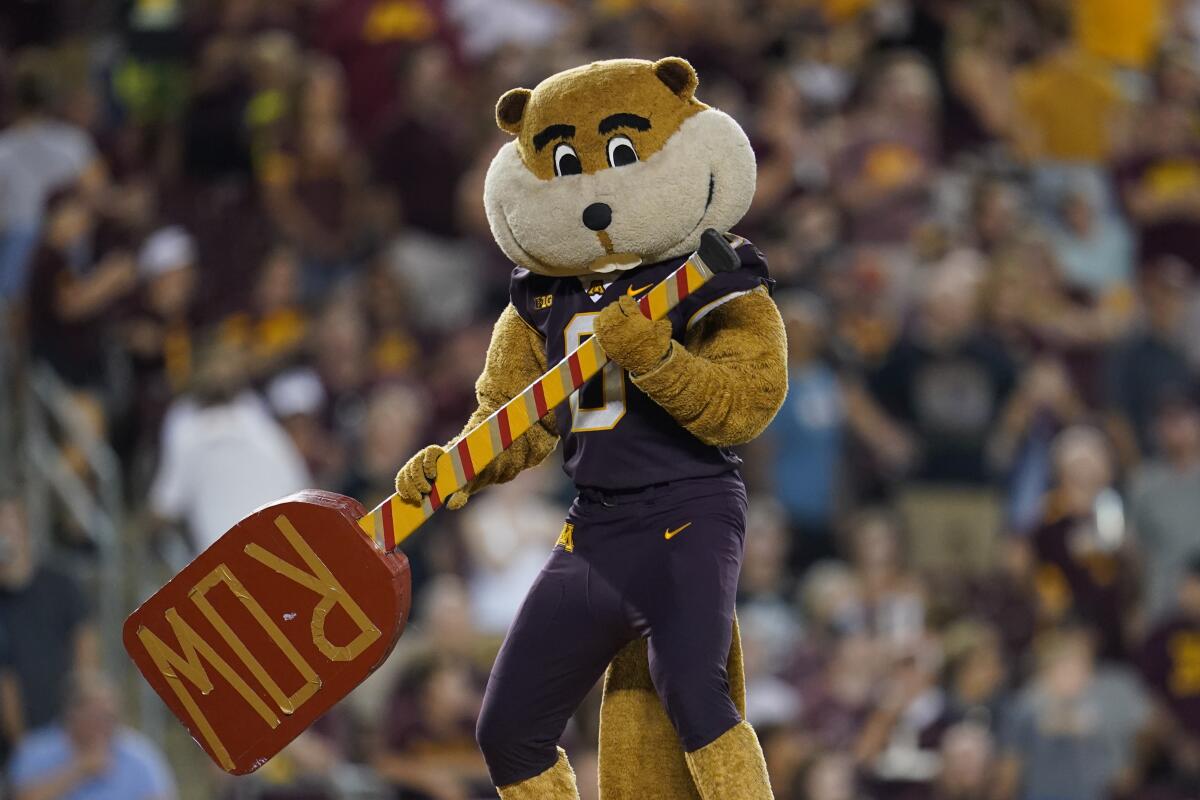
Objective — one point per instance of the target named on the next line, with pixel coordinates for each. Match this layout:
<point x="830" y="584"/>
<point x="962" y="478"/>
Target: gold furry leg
<point x="556" y="783"/>
<point x="732" y="767"/>
<point x="640" y="754"/>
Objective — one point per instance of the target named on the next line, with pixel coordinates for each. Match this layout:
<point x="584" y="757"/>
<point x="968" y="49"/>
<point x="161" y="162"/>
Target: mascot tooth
<point x="614" y="171"/>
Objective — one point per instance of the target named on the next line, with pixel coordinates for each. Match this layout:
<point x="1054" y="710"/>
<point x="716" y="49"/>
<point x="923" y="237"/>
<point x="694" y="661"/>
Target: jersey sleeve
<point x="725" y="286"/>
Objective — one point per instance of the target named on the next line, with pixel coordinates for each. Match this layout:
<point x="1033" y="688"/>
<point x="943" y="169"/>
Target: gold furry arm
<point x="726" y="385"/>
<point x="516" y="358"/>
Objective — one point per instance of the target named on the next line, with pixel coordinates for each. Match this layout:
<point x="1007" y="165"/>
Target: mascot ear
<point x="678" y="75"/>
<point x="510" y="108"/>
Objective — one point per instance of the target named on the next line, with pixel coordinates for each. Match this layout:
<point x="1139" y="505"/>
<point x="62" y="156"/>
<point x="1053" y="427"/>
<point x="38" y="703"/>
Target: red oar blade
<point x="271" y="626"/>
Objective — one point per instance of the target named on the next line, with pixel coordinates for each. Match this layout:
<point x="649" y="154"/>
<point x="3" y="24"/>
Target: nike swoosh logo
<point x="669" y="534"/>
<point x="632" y="292"/>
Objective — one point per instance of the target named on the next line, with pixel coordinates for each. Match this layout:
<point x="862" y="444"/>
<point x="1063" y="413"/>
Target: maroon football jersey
<point x="1170" y="662"/>
<point x="1073" y="572"/>
<point x="614" y="436"/>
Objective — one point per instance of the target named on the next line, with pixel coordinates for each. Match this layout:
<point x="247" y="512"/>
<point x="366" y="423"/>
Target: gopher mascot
<point x="615" y="170"/>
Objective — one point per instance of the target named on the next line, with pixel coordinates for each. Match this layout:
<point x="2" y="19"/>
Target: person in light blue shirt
<point x="806" y="435"/>
<point x="90" y="755"/>
<point x="1094" y="250"/>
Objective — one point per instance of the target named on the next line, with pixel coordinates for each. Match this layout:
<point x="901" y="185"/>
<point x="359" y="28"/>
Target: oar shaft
<point x="393" y="520"/>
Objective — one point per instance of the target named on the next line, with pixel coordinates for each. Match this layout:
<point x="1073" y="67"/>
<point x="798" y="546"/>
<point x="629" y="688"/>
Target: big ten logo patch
<point x="566" y="539"/>
<point x="543" y="301"/>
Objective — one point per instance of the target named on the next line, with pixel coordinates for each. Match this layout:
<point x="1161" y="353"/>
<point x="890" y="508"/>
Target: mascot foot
<point x="732" y="767"/>
<point x="556" y="783"/>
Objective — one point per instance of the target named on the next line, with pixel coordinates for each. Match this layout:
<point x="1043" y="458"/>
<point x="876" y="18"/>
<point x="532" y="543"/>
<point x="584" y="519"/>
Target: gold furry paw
<point x="415" y="479"/>
<point x="630" y="339"/>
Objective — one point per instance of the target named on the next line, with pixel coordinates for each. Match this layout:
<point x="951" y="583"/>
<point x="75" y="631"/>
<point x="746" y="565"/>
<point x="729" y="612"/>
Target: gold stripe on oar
<point x="480" y="442"/>
<point x="591" y="358"/>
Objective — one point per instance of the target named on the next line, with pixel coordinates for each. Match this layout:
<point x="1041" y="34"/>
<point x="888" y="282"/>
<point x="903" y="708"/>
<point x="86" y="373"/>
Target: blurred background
<point x="243" y="252"/>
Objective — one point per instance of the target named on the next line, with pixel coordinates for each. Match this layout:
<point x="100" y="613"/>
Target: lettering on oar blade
<point x="185" y="664"/>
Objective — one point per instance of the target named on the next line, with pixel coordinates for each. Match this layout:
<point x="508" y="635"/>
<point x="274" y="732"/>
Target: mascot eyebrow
<point x="614" y="121"/>
<point x="552" y="132"/>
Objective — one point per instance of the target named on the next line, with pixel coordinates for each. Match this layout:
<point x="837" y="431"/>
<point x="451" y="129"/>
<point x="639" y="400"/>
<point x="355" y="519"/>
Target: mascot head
<point x="614" y="164"/>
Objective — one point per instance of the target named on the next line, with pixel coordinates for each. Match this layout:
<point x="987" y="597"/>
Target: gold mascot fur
<point x="689" y="167"/>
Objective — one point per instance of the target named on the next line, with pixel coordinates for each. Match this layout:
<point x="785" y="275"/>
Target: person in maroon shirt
<point x="1170" y="666"/>
<point x="1160" y="185"/>
<point x="1082" y="562"/>
<point x="370" y="38"/>
<point x="72" y="293"/>
<point x="422" y="149"/>
<point x="429" y="750"/>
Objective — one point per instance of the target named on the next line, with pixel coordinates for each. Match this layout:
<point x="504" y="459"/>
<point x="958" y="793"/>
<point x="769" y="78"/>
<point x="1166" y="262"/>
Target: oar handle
<point x="393" y="520"/>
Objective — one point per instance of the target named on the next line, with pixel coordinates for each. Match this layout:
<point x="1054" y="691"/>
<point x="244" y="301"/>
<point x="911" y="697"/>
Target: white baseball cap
<point x="166" y="250"/>
<point x="297" y="391"/>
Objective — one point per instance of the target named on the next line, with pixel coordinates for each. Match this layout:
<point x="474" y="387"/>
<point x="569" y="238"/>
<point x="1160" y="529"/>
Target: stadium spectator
<point x="223" y="454"/>
<point x="312" y="767"/>
<point x="89" y="754"/>
<point x="73" y="296"/>
<point x="806" y="436"/>
<point x="899" y="742"/>
<point x="892" y="595"/>
<point x="1164" y="501"/>
<point x="976" y="675"/>
<point x="1070" y="106"/>
<point x="1092" y="247"/>
<point x="1082" y="551"/>
<point x="426" y="131"/>
<point x="159" y="332"/>
<point x="1057" y="738"/>
<point x="1168" y="662"/>
<point x="946" y="381"/>
<point x="275" y="327"/>
<point x="45" y="618"/>
<point x="298" y="400"/>
<point x="312" y="185"/>
<point x="390" y="426"/>
<point x="967" y="763"/>
<point x="831" y="776"/>
<point x="883" y="172"/>
<point x="1150" y="362"/>
<point x="39" y="154"/>
<point x="1160" y="186"/>
<point x="429" y="740"/>
<point x="390" y="305"/>
<point x="339" y="353"/>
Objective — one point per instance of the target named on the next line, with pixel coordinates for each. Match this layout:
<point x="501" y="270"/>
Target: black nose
<point x="597" y="216"/>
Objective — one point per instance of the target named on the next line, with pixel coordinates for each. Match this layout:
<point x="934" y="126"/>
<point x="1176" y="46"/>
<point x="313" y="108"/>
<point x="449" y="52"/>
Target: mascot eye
<point x="621" y="152"/>
<point x="566" y="160"/>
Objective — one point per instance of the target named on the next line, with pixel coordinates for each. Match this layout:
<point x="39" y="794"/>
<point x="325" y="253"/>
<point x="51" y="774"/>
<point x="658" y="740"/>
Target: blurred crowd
<point x="248" y="238"/>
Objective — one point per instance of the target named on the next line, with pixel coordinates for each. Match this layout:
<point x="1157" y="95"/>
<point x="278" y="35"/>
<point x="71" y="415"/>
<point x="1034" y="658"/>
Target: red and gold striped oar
<point x="241" y="644"/>
<point x="393" y="520"/>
